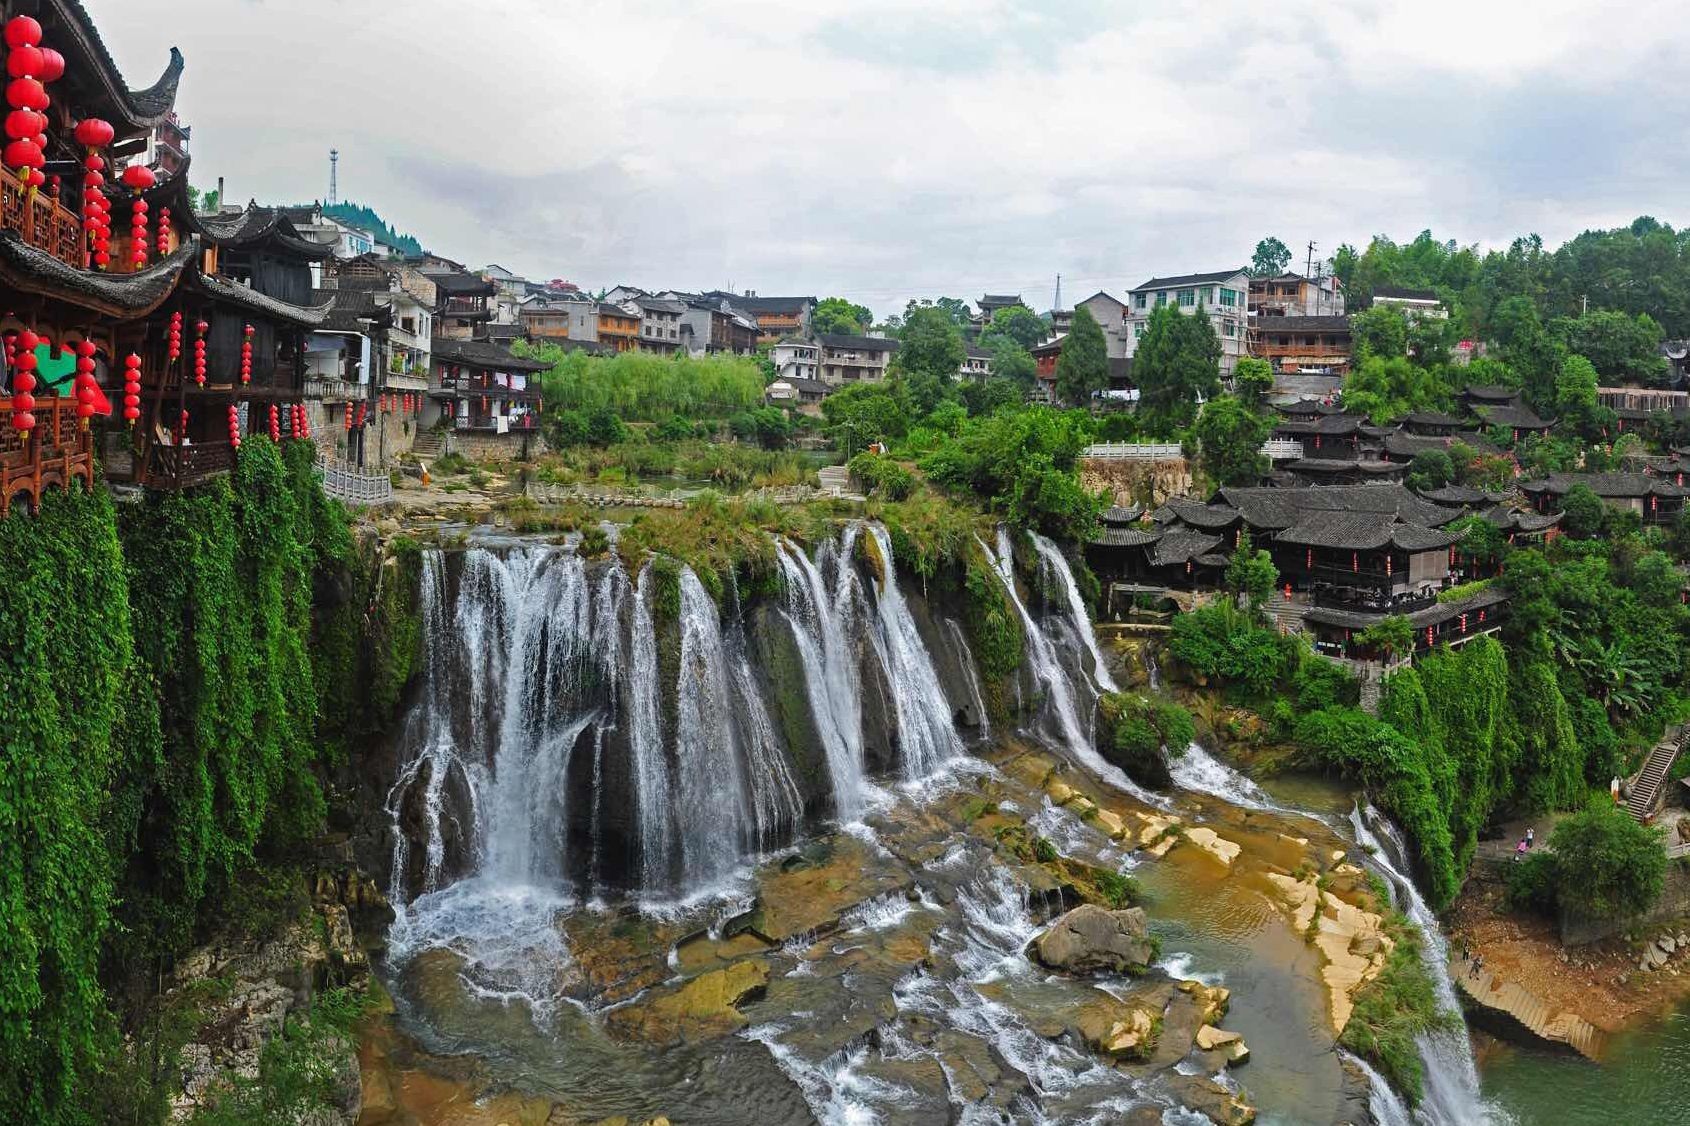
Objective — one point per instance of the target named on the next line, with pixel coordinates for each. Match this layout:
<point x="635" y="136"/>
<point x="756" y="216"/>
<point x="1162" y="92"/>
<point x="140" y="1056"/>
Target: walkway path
<point x="1508" y="999"/>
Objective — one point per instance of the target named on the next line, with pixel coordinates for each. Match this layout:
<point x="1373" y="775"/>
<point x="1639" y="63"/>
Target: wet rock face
<point x="1094" y="940"/>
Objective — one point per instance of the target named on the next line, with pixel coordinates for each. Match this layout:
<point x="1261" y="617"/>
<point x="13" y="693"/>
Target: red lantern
<point x="275" y="424"/>
<point x="138" y="177"/>
<point x="131" y="388"/>
<point x="163" y="231"/>
<point x="199" y="353"/>
<point x="182" y="426"/>
<point x="93" y="133"/>
<point x="52" y="65"/>
<point x="234" y="426"/>
<point x="175" y="336"/>
<point x="1428" y="637"/>
<point x="23" y="384"/>
<point x="349" y="418"/>
<point x="22" y="31"/>
<point x="1355" y="563"/>
<point x="1464" y="623"/>
<point x="246" y="355"/>
<point x="27" y="93"/>
<point x="25" y="62"/>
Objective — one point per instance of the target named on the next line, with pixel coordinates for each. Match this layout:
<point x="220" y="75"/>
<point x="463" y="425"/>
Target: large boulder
<point x="1092" y="939"/>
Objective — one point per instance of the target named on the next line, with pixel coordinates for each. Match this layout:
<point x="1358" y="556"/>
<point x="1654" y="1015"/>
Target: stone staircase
<point x="834" y="479"/>
<point x="1645" y="797"/>
<point x="428" y="445"/>
<point x="1507" y="1003"/>
<point x="1286" y="615"/>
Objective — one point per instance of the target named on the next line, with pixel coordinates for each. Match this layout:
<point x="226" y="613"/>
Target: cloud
<point x="956" y="148"/>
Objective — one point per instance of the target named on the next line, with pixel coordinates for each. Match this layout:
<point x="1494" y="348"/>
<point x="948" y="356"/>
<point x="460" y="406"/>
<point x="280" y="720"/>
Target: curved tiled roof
<point x="221" y="289"/>
<point x="30" y="270"/>
<point x="1613" y="486"/>
<point x="1181" y="545"/>
<point x="1115" y="514"/>
<point x="1429" y="616"/>
<point x="1126" y="537"/>
<point x="1518" y="417"/>
<point x="483" y="354"/>
<point x="1202" y="515"/>
<point x="1272" y="509"/>
<point x="1461" y="495"/>
<point x="71" y="30"/>
<point x="260" y="224"/>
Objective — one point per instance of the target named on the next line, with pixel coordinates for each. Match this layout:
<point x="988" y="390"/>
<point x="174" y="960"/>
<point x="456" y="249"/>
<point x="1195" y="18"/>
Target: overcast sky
<point x="978" y="146"/>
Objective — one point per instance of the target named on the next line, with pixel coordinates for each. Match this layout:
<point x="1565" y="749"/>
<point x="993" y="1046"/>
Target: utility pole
<point x="334" y="168"/>
<point x="1057" y="303"/>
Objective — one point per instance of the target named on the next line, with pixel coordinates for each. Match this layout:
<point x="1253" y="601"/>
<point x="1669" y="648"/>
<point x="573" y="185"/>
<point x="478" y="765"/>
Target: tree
<point x="1270" y="259"/>
<point x="864" y="413"/>
<point x="1252" y="379"/>
<point x="765" y="426"/>
<point x="1576" y="403"/>
<point x="931" y="344"/>
<point x="837" y="315"/>
<point x="1388" y="388"/>
<point x="1082" y="369"/>
<point x="1018" y="323"/>
<point x="1380" y="331"/>
<point x="1177" y="363"/>
<point x="1623" y="349"/>
<point x="1023" y="462"/>
<point x="1392" y="636"/>
<point x="1585" y="513"/>
<point x="1251" y="572"/>
<point x="990" y="396"/>
<point x="955" y="309"/>
<point x="1430" y="469"/>
<point x="1231" y="437"/>
<point x="1012" y="362"/>
<point x="1606" y="864"/>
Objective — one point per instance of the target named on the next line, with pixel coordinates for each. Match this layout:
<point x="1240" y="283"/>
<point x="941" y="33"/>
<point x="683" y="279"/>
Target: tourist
<point x="1531" y="837"/>
<point x="1520" y="849"/>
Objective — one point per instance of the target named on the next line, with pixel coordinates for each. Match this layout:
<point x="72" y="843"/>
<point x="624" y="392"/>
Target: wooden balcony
<point x="178" y="467"/>
<point x="43" y="222"/>
<point x="56" y="452"/>
<point x="1326" y="352"/>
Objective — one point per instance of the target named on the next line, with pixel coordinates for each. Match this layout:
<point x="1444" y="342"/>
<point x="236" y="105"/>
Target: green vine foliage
<point x="64" y="657"/>
<point x="165" y="664"/>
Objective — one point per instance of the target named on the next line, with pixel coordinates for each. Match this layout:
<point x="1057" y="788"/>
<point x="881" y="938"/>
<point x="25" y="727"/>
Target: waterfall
<point x="652" y="805"/>
<point x="926" y="734"/>
<point x="777" y="806"/>
<point x="1452" y="1079"/>
<point x="965" y="653"/>
<point x="1055" y="568"/>
<point x="1062" y="699"/>
<point x="820" y="614"/>
<point x="1198" y="770"/>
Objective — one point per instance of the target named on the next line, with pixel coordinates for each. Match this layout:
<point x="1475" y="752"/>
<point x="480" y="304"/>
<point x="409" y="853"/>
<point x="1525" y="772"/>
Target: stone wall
<point x="515" y="446"/>
<point x="1132" y="481"/>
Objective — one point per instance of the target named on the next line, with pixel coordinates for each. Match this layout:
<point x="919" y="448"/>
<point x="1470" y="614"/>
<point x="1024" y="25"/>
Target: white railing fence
<point x="351" y="484"/>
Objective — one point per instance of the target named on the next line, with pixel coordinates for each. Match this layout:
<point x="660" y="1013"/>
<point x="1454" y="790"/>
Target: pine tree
<point x="1083" y="368"/>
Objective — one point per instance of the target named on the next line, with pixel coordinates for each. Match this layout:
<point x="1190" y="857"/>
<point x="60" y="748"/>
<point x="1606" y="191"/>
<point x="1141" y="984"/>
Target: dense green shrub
<point x="882" y="477"/>
<point x="1220" y="641"/>
<point x="1140" y="733"/>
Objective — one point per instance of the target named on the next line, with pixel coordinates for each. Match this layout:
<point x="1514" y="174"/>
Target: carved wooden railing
<point x="57" y="450"/>
<point x="43" y="222"/>
<point x="175" y="467"/>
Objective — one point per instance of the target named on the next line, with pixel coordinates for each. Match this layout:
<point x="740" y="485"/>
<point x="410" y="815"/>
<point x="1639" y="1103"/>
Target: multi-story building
<point x="660" y="324"/>
<point x="853" y="359"/>
<point x="487" y="398"/>
<point x="1221" y="296"/>
<point x="795" y="358"/>
<point x="567" y="316"/>
<point x="465" y="303"/>
<point x="1293" y="295"/>
<point x="619" y="327"/>
<point x="776" y="317"/>
<point x="1302" y="344"/>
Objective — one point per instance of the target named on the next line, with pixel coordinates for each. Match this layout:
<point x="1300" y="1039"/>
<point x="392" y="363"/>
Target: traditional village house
<point x="660" y="324"/>
<point x="1293" y="295"/>
<point x="712" y="324"/>
<point x="847" y="359"/>
<point x="465" y="302"/>
<point x="619" y="327"/>
<point x="990" y="303"/>
<point x="1111" y="317"/>
<point x="1655" y="500"/>
<point x="167" y="146"/>
<point x="1221" y="296"/>
<point x="488" y="400"/>
<point x="976" y="363"/>
<point x="560" y="316"/>
<point x="1301" y="343"/>
<point x="346" y="361"/>
<point x="801" y="394"/>
<point x="776" y="317"/>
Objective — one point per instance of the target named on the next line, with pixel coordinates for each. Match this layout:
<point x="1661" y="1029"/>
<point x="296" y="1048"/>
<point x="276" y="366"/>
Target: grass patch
<point x="1394" y="1009"/>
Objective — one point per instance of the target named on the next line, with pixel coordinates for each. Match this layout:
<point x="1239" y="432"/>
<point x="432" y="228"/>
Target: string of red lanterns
<point x="162" y="247"/>
<point x="175" y="350"/>
<point x="234" y="426"/>
<point x="246" y="354"/>
<point x="138" y="178"/>
<point x="199" y="352"/>
<point x="275" y="425"/>
<point x="131" y="388"/>
<point x="23" y="384"/>
<point x="30" y="67"/>
<point x="84" y="386"/>
<point x="93" y="134"/>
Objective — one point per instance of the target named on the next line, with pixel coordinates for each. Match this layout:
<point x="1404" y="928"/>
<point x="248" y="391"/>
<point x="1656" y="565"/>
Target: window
<point x="1229" y="298"/>
<point x="1138" y="331"/>
<point x="1228" y="328"/>
<point x="1139" y="300"/>
<point x="1187" y="298"/>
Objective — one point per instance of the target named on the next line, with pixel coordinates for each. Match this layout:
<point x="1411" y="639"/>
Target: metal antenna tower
<point x="1057" y="304"/>
<point x="334" y="168"/>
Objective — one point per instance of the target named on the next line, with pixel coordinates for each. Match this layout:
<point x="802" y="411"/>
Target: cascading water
<point x="1062" y="698"/>
<point x="1056" y="569"/>
<point x="1198" y="770"/>
<point x="1452" y="1079"/>
<point x="966" y="654"/>
<point x="926" y="735"/>
<point x="820" y="614"/>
